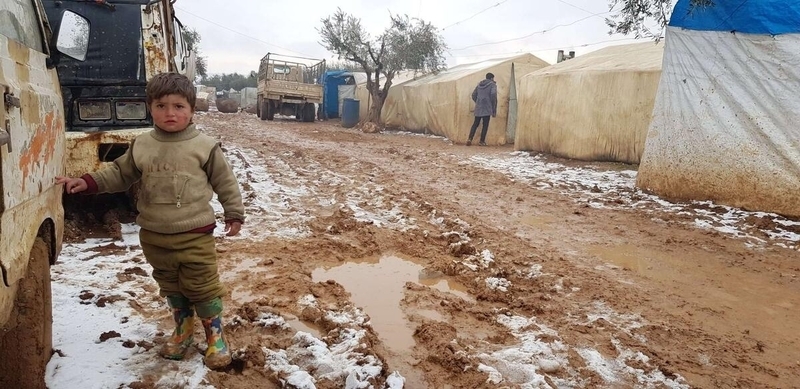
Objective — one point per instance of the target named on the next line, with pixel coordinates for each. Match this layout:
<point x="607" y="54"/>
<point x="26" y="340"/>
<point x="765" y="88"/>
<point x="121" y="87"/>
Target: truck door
<point x="30" y="108"/>
<point x="31" y="118"/>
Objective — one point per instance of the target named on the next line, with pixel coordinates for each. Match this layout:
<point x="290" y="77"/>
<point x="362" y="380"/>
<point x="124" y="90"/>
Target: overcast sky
<point x="237" y="33"/>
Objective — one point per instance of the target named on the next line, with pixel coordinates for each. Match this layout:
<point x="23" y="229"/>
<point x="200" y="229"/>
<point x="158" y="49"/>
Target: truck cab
<point x="104" y="94"/>
<point x="32" y="154"/>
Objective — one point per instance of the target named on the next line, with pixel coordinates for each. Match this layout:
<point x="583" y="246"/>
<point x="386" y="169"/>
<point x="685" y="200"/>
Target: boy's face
<point x="171" y="113"/>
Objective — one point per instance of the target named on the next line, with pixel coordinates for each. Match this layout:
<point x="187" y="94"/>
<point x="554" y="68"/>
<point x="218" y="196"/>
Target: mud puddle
<point x="377" y="286"/>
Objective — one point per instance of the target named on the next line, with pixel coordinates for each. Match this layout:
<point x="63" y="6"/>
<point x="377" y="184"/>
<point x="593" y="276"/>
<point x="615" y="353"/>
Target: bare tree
<point x="644" y="18"/>
<point x="407" y="44"/>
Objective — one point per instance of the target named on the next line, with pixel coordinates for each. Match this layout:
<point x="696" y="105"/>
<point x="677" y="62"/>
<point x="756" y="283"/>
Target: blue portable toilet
<point x="330" y="100"/>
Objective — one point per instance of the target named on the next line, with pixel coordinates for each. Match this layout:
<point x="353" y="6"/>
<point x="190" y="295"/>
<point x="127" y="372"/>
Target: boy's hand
<point x="72" y="185"/>
<point x="232" y="227"/>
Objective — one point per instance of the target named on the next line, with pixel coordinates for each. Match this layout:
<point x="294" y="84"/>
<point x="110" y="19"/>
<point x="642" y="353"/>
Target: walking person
<point x="180" y="169"/>
<point x="485" y="98"/>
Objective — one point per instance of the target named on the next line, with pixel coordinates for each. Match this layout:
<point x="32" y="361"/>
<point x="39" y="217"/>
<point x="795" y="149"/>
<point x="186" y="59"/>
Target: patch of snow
<point x="611" y="369"/>
<point x="277" y="209"/>
<point x="500" y="284"/>
<point x="395" y="381"/>
<point x="267" y="319"/>
<point x="369" y="205"/>
<point x="541" y="353"/>
<point x="309" y="359"/>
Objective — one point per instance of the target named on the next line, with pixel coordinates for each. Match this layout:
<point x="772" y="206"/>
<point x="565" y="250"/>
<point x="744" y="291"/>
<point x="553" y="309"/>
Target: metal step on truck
<point x="289" y="87"/>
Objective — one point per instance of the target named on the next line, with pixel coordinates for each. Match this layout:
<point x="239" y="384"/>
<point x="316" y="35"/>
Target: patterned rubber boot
<point x="217" y="355"/>
<point x="183" y="336"/>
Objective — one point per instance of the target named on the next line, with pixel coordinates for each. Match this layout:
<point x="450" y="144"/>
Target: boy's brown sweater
<point x="179" y="171"/>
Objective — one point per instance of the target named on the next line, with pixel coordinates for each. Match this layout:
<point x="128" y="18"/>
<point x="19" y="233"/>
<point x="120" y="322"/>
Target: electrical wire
<point x="480" y="12"/>
<point x="531" y="34"/>
<point x="242" y="34"/>
<point x="577" y="7"/>
<point x="524" y="51"/>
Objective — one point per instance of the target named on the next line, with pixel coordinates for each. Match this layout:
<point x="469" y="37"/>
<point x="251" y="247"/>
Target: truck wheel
<point x="270" y="110"/>
<point x="308" y="113"/>
<point x="26" y="348"/>
<point x="263" y="110"/>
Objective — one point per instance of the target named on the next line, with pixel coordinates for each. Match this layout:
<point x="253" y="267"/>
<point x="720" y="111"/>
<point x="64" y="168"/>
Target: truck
<point x="32" y="155"/>
<point x="104" y="95"/>
<point x="289" y="87"/>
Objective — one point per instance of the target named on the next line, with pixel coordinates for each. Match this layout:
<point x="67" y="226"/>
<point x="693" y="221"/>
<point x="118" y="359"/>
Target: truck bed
<point x="277" y="89"/>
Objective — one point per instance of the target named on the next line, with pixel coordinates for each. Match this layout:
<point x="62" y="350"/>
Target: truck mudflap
<point x="90" y="151"/>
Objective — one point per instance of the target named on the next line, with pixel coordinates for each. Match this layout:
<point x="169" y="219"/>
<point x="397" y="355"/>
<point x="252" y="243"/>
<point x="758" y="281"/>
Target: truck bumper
<point x="88" y="152"/>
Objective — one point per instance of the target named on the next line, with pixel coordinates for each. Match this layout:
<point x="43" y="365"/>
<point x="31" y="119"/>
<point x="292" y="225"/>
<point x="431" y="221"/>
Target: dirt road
<point x="369" y="259"/>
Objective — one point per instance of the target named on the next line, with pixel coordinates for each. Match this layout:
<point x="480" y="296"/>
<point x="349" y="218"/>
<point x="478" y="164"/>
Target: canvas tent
<point x="365" y="100"/>
<point x="725" y="122"/>
<point x="596" y="107"/>
<point x="442" y="103"/>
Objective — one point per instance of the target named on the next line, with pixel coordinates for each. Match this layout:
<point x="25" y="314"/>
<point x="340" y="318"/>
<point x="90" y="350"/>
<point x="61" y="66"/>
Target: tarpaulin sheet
<point x="725" y="124"/>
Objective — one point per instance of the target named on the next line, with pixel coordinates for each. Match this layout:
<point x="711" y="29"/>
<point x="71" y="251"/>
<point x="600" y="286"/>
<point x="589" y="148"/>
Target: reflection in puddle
<point x="377" y="286"/>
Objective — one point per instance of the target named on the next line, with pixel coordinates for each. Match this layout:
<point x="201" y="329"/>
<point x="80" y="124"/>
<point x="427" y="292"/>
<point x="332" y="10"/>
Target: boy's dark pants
<point x="183" y="264"/>
<point x="484" y="129"/>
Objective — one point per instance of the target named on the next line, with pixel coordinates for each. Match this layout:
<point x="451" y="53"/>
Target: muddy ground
<point x="455" y="270"/>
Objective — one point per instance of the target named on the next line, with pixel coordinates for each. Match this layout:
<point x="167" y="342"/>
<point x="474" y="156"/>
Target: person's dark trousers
<point x="484" y="129"/>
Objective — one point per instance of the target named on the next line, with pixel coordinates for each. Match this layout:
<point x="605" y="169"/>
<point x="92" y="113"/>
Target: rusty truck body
<point x="289" y="87"/>
<point x="104" y="95"/>
<point x="32" y="154"/>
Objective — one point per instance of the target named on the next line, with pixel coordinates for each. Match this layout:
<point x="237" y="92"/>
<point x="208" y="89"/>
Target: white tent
<point x="442" y="103"/>
<point x="725" y="122"/>
<point x="363" y="95"/>
<point x="596" y="107"/>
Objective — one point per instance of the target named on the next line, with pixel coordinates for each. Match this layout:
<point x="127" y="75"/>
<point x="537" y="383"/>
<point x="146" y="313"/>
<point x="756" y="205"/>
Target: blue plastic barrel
<point x="350" y="108"/>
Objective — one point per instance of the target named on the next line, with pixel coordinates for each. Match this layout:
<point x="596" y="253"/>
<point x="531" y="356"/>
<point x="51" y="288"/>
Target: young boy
<point x="178" y="167"/>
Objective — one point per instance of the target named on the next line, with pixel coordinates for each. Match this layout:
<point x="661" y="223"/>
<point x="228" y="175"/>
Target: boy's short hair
<point x="170" y="84"/>
<point x="489" y="76"/>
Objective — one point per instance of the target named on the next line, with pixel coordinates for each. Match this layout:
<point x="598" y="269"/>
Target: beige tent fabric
<point x="725" y="124"/>
<point x="596" y="107"/>
<point x="442" y="103"/>
<point x="362" y="93"/>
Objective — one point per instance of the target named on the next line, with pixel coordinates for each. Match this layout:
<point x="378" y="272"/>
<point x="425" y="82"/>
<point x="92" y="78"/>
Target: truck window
<point x="180" y="46"/>
<point x="19" y="22"/>
<point x="73" y="36"/>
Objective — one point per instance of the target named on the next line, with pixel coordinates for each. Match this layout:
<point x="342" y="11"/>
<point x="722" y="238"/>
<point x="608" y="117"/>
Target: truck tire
<point x="26" y="348"/>
<point x="262" y="110"/>
<point x="259" y="104"/>
<point x="270" y="110"/>
<point x="309" y="114"/>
